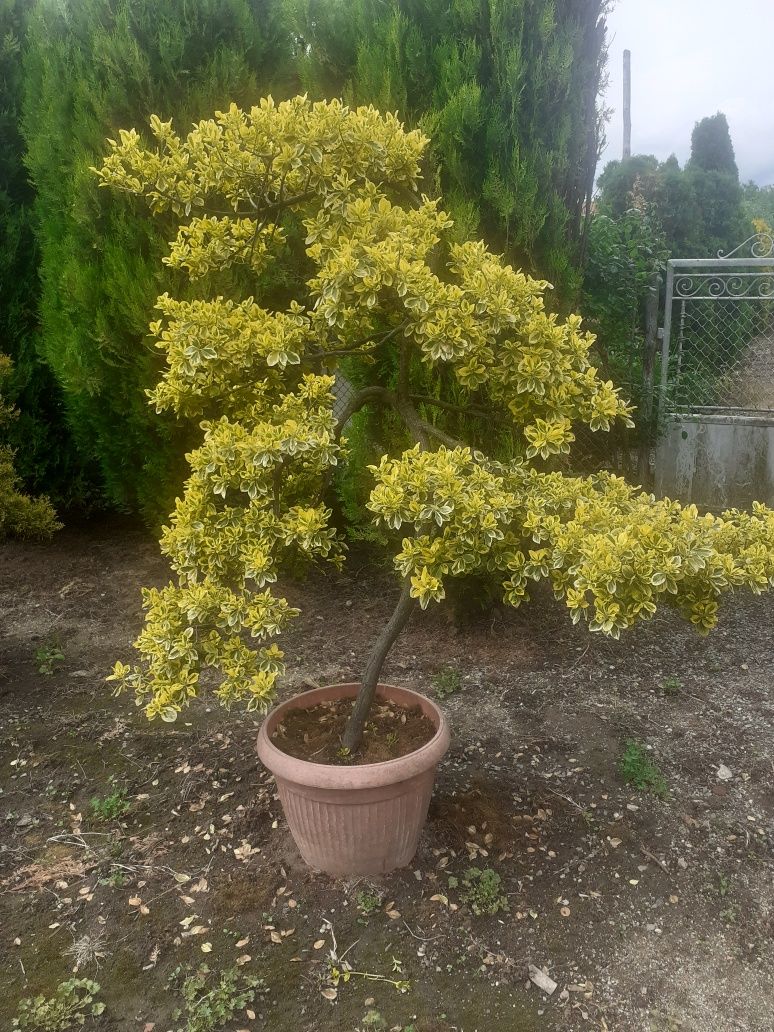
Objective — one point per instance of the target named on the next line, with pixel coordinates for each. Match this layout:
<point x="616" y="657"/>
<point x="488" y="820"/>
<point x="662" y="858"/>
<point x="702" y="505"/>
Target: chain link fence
<point x="723" y="356"/>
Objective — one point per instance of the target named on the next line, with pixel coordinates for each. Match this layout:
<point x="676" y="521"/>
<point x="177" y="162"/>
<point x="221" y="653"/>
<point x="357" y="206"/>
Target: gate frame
<point x="735" y="278"/>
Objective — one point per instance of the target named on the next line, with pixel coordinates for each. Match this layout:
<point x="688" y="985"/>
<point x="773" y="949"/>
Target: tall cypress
<point x="45" y="456"/>
<point x="91" y="68"/>
<point x="507" y="90"/>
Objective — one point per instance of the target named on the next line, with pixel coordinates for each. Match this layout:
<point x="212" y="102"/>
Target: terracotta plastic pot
<point x="359" y="820"/>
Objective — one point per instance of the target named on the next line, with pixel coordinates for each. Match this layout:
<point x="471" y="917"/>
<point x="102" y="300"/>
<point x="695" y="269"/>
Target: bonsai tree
<point x="384" y="272"/>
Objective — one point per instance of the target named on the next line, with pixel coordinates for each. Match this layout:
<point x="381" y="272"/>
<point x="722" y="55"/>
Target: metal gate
<point x="717" y="378"/>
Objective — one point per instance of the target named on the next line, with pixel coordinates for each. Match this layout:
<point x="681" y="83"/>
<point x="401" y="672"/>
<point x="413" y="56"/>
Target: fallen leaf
<point x="319" y="944"/>
<point x="275" y="937"/>
<point x="206" y="947"/>
<point x="244" y="959"/>
<point x="243" y="942"/>
<point x="329" y="994"/>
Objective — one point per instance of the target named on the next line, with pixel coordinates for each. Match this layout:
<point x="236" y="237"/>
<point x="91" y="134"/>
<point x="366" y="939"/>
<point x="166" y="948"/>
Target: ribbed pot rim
<point x="367" y="775"/>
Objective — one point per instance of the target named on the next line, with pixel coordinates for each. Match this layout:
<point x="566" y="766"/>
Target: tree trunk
<point x="365" y="697"/>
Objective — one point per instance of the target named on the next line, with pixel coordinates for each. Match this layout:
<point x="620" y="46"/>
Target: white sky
<point x="691" y="58"/>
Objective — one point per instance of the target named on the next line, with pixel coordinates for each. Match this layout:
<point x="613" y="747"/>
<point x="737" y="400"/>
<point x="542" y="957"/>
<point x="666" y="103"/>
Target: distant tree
<point x="678" y="210"/>
<point x="618" y="179"/>
<point x="699" y="207"/>
<point x="714" y="175"/>
<point x="711" y="146"/>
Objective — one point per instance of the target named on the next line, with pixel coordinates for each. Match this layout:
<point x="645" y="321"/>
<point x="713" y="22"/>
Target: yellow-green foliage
<point x="382" y="268"/>
<point x="20" y="515"/>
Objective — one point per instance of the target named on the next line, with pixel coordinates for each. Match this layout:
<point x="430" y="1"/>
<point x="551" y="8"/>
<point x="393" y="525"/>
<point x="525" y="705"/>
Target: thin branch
<point x="432" y="431"/>
<point x="463" y="410"/>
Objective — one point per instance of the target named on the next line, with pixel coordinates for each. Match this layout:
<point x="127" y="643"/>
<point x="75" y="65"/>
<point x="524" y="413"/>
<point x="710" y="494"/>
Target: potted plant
<point x="383" y="277"/>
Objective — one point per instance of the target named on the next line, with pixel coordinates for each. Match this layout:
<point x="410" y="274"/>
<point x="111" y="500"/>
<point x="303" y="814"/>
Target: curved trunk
<point x="365" y="697"/>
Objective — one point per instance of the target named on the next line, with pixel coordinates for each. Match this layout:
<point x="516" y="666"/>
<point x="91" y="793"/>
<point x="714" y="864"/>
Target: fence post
<point x="649" y="349"/>
<point x="670" y="279"/>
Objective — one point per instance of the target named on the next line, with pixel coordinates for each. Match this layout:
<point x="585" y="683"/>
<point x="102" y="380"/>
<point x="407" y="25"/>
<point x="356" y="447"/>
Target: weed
<point x="115" y="880"/>
<point x="70" y="1005"/>
<point x="447" y="681"/>
<point x="374" y="1021"/>
<point x="730" y="914"/>
<point x="722" y="886"/>
<point x="48" y="655"/>
<point x="210" y="1000"/>
<point x="110" y="807"/>
<point x="88" y="949"/>
<point x="672" y="686"/>
<point x="368" y="901"/>
<point x="339" y="970"/>
<point x="638" y="769"/>
<point x="483" y="891"/>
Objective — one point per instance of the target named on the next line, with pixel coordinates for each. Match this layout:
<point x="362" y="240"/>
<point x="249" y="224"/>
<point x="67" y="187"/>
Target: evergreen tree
<point x="711" y="146"/>
<point x="91" y="66"/>
<point x="714" y="175"/>
<point x="507" y="91"/>
<point x="699" y="207"/>
<point x="45" y="455"/>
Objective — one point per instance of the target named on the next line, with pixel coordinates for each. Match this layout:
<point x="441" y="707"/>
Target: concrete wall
<point x="717" y="461"/>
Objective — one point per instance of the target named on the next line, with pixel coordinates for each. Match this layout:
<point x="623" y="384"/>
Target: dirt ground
<point x="651" y="913"/>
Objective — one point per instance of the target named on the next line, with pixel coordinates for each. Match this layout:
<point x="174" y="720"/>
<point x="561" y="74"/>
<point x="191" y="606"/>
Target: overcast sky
<point x="691" y="58"/>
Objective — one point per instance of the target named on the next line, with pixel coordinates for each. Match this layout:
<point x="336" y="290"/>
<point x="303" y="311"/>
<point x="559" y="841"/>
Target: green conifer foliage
<point x="45" y="457"/>
<point x="91" y="66"/>
<point x="507" y="91"/>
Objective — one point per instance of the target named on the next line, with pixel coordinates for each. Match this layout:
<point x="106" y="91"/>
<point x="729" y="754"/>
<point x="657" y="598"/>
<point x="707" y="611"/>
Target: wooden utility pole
<point x="627" y="104"/>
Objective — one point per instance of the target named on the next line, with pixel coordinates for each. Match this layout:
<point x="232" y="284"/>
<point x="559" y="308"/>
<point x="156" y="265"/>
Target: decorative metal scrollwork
<point x="761" y="245"/>
<point x="719" y="284"/>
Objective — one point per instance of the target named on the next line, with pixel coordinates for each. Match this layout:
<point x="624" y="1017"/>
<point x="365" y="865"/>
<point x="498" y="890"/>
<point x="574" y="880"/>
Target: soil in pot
<point x="314" y="734"/>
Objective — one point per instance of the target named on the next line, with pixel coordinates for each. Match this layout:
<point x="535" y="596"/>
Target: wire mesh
<point x="722" y="355"/>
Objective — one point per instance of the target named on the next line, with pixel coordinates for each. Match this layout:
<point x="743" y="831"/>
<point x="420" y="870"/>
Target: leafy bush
<point x="381" y="270"/>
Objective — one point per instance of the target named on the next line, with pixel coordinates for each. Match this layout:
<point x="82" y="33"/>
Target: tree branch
<point x="359" y="400"/>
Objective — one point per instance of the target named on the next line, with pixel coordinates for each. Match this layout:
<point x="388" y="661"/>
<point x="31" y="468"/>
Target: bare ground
<point x="650" y="914"/>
